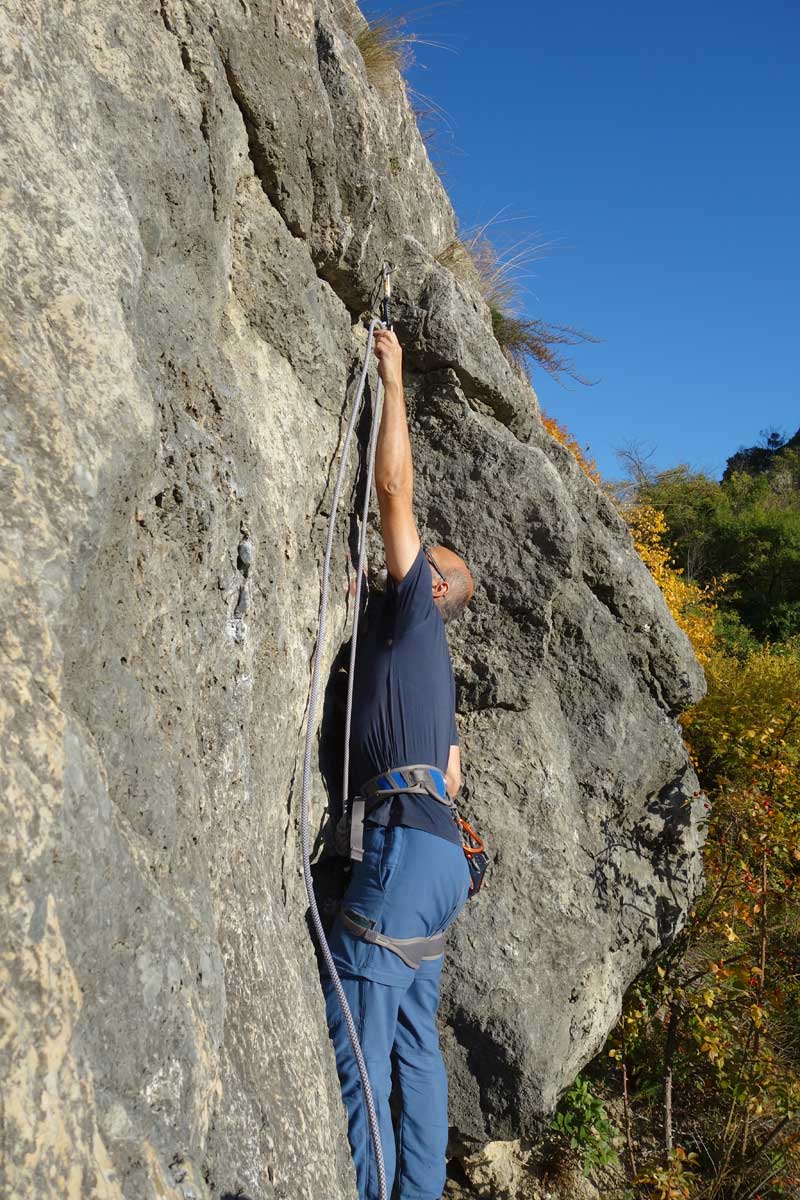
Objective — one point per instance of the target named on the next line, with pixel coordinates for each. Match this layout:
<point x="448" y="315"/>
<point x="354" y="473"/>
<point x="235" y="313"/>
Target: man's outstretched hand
<point x="389" y="355"/>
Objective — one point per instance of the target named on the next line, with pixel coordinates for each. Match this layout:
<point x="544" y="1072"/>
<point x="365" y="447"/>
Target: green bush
<point x="582" y="1123"/>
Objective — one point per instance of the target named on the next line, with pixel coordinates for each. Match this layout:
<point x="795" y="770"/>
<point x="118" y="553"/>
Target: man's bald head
<point x="454" y="598"/>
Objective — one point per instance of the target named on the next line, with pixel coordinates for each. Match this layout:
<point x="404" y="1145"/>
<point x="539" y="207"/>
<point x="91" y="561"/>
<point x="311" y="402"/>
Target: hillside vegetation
<point x="703" y="1069"/>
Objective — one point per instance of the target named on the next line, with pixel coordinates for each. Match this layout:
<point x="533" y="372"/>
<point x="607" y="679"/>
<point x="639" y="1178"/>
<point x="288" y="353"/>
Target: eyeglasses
<point x="434" y="563"/>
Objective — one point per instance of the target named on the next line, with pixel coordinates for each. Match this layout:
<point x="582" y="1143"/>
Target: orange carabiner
<point x="474" y="844"/>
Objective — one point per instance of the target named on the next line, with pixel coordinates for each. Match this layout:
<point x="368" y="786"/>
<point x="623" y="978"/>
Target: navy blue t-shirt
<point x="404" y="696"/>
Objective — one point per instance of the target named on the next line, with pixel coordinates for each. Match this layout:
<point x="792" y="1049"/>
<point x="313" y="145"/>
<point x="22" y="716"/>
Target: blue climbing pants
<point x="412" y="884"/>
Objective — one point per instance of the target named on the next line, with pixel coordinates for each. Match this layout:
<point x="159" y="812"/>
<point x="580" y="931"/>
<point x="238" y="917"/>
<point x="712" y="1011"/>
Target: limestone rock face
<point x="198" y="197"/>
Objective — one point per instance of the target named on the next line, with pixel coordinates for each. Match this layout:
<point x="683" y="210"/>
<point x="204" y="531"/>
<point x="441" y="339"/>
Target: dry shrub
<point x="498" y="275"/>
<point x="387" y="48"/>
<point x="524" y="339"/>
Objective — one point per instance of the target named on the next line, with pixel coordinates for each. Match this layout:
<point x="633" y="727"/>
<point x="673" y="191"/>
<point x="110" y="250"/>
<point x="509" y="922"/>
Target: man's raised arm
<point x="394" y="468"/>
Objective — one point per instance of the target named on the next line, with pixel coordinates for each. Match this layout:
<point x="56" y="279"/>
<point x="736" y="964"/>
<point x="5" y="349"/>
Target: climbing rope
<point x="362" y="540"/>
<point x="312" y="708"/>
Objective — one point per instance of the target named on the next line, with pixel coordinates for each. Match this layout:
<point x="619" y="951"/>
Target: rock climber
<point x="413" y="879"/>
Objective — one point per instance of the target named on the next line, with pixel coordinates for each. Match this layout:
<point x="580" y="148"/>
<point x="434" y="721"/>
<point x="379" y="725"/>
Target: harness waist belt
<point x="413" y="951"/>
<point x="418" y="779"/>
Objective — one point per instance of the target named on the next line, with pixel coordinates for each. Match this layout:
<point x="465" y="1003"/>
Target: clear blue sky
<point x="658" y="148"/>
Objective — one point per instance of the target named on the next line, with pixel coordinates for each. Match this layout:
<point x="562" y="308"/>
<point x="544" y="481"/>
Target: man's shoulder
<point x="413" y="579"/>
<point x="411" y="597"/>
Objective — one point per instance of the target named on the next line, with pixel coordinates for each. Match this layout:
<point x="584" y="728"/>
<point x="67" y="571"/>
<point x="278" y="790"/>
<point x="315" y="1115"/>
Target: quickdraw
<point x="476" y="856"/>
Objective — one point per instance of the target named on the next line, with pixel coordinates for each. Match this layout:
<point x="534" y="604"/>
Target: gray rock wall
<point x="198" y="197"/>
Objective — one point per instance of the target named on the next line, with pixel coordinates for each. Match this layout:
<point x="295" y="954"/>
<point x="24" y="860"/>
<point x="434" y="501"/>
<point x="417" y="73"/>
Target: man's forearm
<point x="452" y="776"/>
<point x="452" y="782"/>
<point x="394" y="468"/>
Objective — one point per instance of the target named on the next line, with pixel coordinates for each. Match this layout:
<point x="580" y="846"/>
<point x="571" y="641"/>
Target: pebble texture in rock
<point x="198" y="197"/>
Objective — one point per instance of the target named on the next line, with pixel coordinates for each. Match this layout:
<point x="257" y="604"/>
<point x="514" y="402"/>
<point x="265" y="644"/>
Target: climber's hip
<point x="410" y="885"/>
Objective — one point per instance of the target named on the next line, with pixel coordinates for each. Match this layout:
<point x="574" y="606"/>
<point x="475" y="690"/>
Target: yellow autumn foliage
<point x="692" y="606"/>
<point x="565" y="438"/>
<point x="747" y="729"/>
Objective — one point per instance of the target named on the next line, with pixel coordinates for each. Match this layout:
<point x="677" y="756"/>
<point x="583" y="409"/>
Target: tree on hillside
<point x="754" y="460"/>
<point x="746" y="527"/>
<point x="689" y="501"/>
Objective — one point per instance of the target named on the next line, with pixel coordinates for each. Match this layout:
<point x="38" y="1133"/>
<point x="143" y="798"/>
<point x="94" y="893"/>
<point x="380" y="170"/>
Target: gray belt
<point x="413" y="951"/>
<point x="418" y="779"/>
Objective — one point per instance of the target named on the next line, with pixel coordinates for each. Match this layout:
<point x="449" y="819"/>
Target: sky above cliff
<point x="656" y="151"/>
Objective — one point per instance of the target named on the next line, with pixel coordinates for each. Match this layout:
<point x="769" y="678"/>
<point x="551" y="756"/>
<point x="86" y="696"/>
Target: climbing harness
<point x="314" y="696"/>
<point x="419" y="779"/>
<point x="415" y="780"/>
<point x="413" y="951"/>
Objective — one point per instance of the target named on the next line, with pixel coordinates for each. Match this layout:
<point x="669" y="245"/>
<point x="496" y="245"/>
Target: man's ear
<point x="441" y="587"/>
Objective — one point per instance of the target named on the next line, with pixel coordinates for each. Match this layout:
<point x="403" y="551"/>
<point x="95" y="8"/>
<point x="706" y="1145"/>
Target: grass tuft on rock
<point x="497" y="275"/>
<point x="387" y="48"/>
<point x="524" y="339"/>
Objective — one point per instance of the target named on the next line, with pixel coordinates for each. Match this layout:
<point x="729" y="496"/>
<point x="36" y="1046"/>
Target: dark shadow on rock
<point x="659" y="838"/>
<point x="331" y="734"/>
<point x="329" y="871"/>
<point x="493" y="1062"/>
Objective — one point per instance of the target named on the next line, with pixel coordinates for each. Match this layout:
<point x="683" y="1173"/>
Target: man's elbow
<point x="393" y="487"/>
<point x="453" y="782"/>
